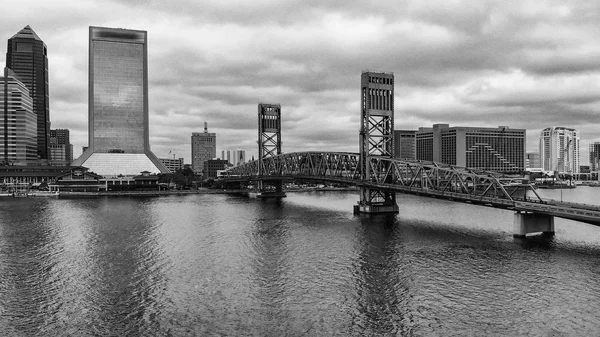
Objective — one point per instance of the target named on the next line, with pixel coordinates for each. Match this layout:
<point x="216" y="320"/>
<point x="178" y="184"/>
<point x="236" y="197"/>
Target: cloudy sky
<point x="524" y="64"/>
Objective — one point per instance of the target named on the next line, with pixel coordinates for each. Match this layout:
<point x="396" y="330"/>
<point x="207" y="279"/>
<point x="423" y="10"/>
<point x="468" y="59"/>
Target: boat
<point x="43" y="193"/>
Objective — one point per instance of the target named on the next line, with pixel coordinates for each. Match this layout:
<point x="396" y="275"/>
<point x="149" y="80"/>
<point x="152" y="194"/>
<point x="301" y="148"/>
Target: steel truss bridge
<point x="412" y="177"/>
<point x="378" y="175"/>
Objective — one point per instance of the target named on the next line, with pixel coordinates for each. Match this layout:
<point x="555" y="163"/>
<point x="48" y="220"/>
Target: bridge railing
<point x="400" y="174"/>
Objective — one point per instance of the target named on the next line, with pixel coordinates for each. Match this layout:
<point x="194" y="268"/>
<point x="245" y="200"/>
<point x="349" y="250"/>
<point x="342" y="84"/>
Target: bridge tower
<point x="269" y="145"/>
<point x="376" y="140"/>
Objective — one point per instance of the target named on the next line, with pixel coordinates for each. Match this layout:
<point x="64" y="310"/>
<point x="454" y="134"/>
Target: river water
<point x="220" y="265"/>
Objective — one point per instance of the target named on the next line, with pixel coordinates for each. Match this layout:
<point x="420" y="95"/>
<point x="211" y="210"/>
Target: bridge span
<point x="429" y="179"/>
<point x="380" y="176"/>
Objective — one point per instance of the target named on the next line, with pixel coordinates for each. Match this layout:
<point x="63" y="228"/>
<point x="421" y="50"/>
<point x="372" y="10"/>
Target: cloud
<point x="525" y="64"/>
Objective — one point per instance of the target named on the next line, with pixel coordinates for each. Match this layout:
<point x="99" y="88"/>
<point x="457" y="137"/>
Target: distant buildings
<point x="118" y="104"/>
<point x="204" y="147"/>
<point x="61" y="149"/>
<point x="18" y="134"/>
<point x="27" y="56"/>
<point x="559" y="149"/>
<point x="235" y="158"/>
<point x="172" y="164"/>
<point x="492" y="149"/>
<point x="405" y="144"/>
<point x="594" y="156"/>
<point x="532" y="160"/>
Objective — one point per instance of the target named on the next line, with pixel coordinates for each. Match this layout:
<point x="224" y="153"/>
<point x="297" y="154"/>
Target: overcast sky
<point x="523" y="64"/>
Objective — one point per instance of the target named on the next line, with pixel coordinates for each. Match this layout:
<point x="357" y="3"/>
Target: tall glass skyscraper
<point x="119" y="141"/>
<point x="27" y="57"/>
<point x="18" y="134"/>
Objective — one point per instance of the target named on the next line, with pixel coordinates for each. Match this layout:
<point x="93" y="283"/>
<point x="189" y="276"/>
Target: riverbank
<point x="187" y="192"/>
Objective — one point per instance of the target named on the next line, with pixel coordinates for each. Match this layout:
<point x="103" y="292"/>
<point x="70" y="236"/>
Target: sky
<point x="522" y="64"/>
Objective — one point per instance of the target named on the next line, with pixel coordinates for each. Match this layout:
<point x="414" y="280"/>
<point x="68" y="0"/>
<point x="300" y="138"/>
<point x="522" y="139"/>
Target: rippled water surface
<point x="204" y="265"/>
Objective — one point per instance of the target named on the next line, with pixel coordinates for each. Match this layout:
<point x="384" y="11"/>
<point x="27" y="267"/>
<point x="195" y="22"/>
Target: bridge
<point x="379" y="176"/>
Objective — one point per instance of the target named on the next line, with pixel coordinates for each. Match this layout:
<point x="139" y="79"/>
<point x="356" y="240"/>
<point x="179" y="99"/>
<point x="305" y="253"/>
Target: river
<point x="220" y="265"/>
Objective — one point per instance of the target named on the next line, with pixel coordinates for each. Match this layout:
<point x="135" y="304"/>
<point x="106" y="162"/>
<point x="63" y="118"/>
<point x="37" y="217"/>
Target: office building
<point x="491" y="149"/>
<point x="532" y="160"/>
<point x="61" y="149"/>
<point x="594" y="156"/>
<point x="18" y="134"/>
<point x="204" y="147"/>
<point x="559" y="149"/>
<point x="118" y="139"/>
<point x="27" y="56"/>
<point x="172" y="164"/>
<point x="405" y="144"/>
<point x="212" y="166"/>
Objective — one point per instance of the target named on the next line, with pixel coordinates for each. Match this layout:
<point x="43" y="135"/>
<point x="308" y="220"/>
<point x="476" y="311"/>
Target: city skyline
<point x="526" y="65"/>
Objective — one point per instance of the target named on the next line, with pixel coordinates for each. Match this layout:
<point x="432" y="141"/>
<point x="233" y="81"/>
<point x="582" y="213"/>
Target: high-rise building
<point x="61" y="149"/>
<point x="559" y="149"/>
<point x="235" y="157"/>
<point x="18" y="134"/>
<point x="491" y="149"/>
<point x="27" y="56"/>
<point x="405" y="144"/>
<point x="594" y="156"/>
<point x="204" y="147"/>
<point x="119" y="141"/>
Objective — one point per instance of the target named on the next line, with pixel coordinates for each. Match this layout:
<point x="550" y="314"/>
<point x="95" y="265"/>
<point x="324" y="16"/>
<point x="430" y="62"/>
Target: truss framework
<point x="387" y="175"/>
<point x="269" y="139"/>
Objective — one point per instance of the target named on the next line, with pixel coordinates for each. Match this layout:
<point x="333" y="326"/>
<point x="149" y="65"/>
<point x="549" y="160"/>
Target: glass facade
<point x="27" y="57"/>
<point x="118" y="107"/>
<point x="118" y="96"/>
<point x="18" y="135"/>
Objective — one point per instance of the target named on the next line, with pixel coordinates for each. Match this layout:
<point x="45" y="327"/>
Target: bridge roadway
<point x="415" y="177"/>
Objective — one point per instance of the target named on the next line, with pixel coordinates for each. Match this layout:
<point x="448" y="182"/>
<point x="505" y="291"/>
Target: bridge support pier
<point x="375" y="202"/>
<point x="273" y="190"/>
<point x="526" y="223"/>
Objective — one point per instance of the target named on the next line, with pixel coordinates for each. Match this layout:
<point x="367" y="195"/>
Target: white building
<point x="559" y="149"/>
<point x="235" y="158"/>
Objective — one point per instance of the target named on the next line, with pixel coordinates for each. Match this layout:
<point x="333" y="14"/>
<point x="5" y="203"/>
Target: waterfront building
<point x="204" y="147"/>
<point x="213" y="166"/>
<point x="405" y="144"/>
<point x="61" y="149"/>
<point x="172" y="164"/>
<point x="532" y="160"/>
<point x="18" y="134"/>
<point x="499" y="149"/>
<point x="594" y="156"/>
<point x="118" y="139"/>
<point x="27" y="56"/>
<point x="559" y="149"/>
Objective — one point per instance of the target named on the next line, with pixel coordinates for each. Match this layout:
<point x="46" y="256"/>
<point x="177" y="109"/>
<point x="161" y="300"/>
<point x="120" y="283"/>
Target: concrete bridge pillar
<point x="525" y="223"/>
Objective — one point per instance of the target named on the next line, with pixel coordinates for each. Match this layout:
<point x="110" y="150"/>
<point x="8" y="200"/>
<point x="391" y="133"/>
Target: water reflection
<point x="29" y="286"/>
<point x="270" y="268"/>
<point x="382" y="279"/>
<point x="127" y="269"/>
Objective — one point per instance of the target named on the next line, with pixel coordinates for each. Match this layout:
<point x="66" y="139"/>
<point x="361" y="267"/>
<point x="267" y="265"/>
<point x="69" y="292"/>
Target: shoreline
<point x="188" y="192"/>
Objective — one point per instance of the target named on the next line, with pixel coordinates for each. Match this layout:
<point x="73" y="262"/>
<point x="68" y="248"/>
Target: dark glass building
<point x="27" y="57"/>
<point x="118" y="104"/>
